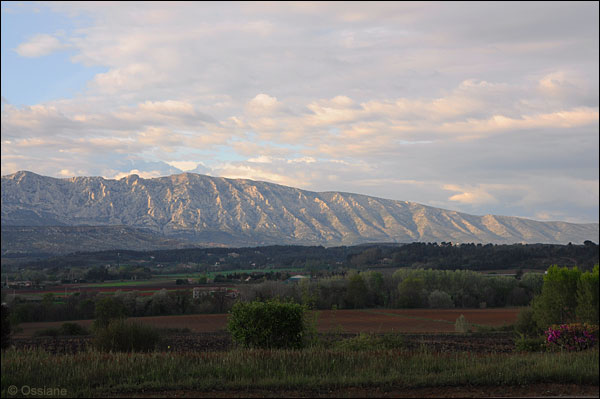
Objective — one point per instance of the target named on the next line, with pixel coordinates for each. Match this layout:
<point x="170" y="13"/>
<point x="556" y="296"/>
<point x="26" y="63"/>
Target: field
<point x="431" y="361"/>
<point x="348" y="321"/>
<point x="307" y="373"/>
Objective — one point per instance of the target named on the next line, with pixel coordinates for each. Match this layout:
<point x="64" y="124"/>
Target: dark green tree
<point x="108" y="309"/>
<point x="587" y="297"/>
<point x="558" y="300"/>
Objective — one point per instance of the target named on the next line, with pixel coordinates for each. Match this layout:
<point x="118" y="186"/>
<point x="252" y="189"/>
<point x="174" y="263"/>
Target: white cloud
<point x="184" y="165"/>
<point x="394" y="99"/>
<point x="470" y="195"/>
<point x="39" y="46"/>
<point x="263" y="104"/>
<point x="143" y="174"/>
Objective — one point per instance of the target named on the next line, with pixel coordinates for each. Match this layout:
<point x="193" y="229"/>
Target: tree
<point x="587" y="297"/>
<point x="410" y="292"/>
<point x="558" y="300"/>
<point x="440" y="300"/>
<point x="108" y="309"/>
<point x="356" y="294"/>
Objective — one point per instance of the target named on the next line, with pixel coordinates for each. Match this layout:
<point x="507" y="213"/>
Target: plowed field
<point x="350" y="321"/>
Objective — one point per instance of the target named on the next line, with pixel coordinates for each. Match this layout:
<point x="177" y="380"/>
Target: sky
<point x="483" y="108"/>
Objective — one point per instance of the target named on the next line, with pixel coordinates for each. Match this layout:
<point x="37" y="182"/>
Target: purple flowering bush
<point x="571" y="337"/>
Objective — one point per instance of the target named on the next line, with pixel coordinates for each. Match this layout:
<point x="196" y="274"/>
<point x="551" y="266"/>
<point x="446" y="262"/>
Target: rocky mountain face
<point x="239" y="212"/>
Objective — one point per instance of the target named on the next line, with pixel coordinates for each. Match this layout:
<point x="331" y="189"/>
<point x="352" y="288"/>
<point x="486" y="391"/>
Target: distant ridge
<point x="199" y="209"/>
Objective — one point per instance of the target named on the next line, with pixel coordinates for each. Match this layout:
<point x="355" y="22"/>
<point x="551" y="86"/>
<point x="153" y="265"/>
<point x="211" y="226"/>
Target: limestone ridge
<point x="244" y="212"/>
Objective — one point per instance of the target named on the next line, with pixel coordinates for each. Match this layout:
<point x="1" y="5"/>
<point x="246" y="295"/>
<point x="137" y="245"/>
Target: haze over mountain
<point x="208" y="210"/>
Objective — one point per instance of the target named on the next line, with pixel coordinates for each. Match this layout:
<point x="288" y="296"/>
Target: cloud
<point x="263" y="104"/>
<point x="430" y="102"/>
<point x="143" y="174"/>
<point x="39" y="46"/>
<point x="470" y="195"/>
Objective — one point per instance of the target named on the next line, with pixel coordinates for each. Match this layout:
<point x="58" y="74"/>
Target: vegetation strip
<point x="405" y="316"/>
<point x="289" y="369"/>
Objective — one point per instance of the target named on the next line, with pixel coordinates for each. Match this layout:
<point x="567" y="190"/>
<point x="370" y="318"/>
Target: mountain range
<point x="192" y="209"/>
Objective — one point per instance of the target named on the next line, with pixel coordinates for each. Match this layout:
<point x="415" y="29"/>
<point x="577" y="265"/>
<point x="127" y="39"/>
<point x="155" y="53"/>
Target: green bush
<point x="271" y="324"/>
<point x="462" y="325"/>
<point x="47" y="332"/>
<point x="108" y="309"/>
<point x="526" y="324"/>
<point x="364" y="341"/>
<point x="72" y="329"/>
<point x="530" y="344"/>
<point x="6" y="327"/>
<point x="65" y="329"/>
<point x="123" y="336"/>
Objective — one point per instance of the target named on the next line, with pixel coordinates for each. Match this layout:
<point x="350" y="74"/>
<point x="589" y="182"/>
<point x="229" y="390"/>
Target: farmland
<point x="349" y="321"/>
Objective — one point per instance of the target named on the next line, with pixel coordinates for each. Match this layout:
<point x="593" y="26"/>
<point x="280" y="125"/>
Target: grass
<point x="95" y="373"/>
<point x="212" y="274"/>
<point x="127" y="283"/>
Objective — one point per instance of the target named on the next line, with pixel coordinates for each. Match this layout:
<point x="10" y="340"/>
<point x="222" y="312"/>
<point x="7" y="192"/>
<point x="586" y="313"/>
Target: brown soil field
<point x="348" y="321"/>
<point x="72" y="288"/>
<point x="489" y="317"/>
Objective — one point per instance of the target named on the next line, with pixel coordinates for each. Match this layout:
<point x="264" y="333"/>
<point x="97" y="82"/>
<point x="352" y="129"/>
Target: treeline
<point x="416" y="255"/>
<point x="480" y="257"/>
<point x="85" y="305"/>
<point x="405" y="288"/>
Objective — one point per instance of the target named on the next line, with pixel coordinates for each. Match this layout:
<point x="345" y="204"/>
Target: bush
<point x="123" y="336"/>
<point x="108" y="309"/>
<point x="47" y="332"/>
<point x="364" y="341"/>
<point x="571" y="337"/>
<point x="530" y="344"/>
<point x="462" y="325"/>
<point x="271" y="324"/>
<point x="526" y="324"/>
<point x="440" y="300"/>
<point x="6" y="328"/>
<point x="72" y="329"/>
<point x="65" y="329"/>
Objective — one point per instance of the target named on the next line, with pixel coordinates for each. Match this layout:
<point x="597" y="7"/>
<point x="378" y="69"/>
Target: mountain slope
<point x="245" y="212"/>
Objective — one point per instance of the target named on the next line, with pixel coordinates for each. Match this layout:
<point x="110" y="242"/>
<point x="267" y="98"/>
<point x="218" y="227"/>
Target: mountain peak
<point x="245" y="212"/>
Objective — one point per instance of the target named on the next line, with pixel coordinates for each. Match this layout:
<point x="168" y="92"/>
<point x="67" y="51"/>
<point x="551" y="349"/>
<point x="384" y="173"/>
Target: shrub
<point x="72" y="329"/>
<point x="108" y="309"/>
<point x="572" y="337"/>
<point x="440" y="300"/>
<point x="123" y="336"/>
<point x="462" y="325"/>
<point x="530" y="344"/>
<point x="47" y="332"/>
<point x="271" y="324"/>
<point x="6" y="327"/>
<point x="526" y="324"/>
<point x="364" y="341"/>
